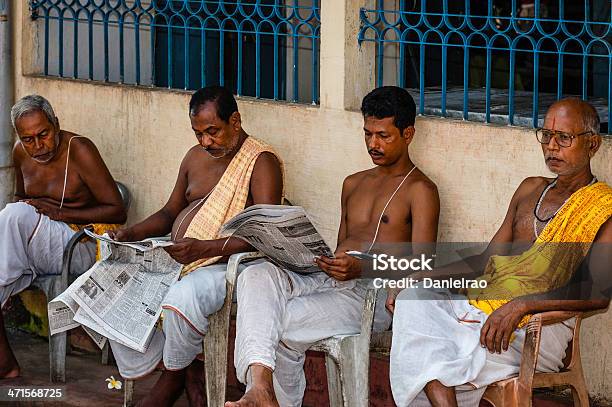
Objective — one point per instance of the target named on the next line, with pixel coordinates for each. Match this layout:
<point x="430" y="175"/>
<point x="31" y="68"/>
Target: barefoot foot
<point x="10" y="373"/>
<point x="256" y="397"/>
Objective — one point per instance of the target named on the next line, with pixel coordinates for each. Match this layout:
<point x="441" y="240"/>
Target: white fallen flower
<point x="113" y="384"/>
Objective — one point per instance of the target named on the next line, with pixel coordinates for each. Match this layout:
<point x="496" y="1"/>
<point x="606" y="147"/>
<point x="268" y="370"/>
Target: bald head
<point x="582" y="114"/>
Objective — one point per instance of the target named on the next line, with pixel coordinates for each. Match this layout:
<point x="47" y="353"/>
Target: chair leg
<point x="334" y="382"/>
<point x="215" y="363"/>
<point x="57" y="357"/>
<point x="106" y="354"/>
<point x="580" y="394"/>
<point x="355" y="372"/>
<point x="57" y="342"/>
<point x="128" y="393"/>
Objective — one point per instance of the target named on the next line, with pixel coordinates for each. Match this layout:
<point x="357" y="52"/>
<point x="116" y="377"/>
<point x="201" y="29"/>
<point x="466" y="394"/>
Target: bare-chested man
<point x="281" y="314"/>
<point x="440" y="347"/>
<point x="219" y="162"/>
<point x="60" y="180"/>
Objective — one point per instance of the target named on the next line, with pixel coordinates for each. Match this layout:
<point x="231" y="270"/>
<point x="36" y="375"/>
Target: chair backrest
<point x="126" y="197"/>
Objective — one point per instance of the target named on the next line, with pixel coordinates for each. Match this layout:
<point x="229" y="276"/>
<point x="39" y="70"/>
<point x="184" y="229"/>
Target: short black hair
<point x="390" y="101"/>
<point x="222" y="97"/>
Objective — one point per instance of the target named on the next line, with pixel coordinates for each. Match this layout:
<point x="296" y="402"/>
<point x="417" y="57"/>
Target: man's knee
<point x="17" y="214"/>
<point x="259" y="274"/>
<point x="206" y="288"/>
<point x="175" y="325"/>
<point x="417" y="294"/>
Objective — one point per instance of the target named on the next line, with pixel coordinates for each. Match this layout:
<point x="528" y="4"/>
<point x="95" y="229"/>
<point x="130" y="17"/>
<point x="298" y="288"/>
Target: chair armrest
<point x="531" y="346"/>
<point x="67" y="258"/>
<point x="553" y="317"/>
<point x="235" y="260"/>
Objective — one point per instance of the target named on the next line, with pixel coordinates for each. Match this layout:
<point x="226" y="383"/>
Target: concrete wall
<point x="143" y="133"/>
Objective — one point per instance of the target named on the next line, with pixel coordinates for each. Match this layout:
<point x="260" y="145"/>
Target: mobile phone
<point x="360" y="255"/>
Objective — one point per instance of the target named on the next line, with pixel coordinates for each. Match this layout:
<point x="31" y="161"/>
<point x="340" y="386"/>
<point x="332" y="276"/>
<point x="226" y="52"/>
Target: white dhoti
<point x="281" y="314"/>
<point x="32" y="245"/>
<point x="186" y="309"/>
<point x="430" y="343"/>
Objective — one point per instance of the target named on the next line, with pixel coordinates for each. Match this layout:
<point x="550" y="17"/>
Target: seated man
<point x="281" y="314"/>
<point x="61" y="182"/>
<point x="440" y="346"/>
<point x="225" y="172"/>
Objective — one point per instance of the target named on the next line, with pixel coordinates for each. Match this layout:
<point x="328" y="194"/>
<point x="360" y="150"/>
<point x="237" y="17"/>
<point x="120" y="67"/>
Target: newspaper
<point x="141" y="245"/>
<point x="119" y="298"/>
<point x="284" y="234"/>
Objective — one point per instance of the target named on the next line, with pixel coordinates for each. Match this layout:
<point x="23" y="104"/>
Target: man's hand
<point x="343" y="267"/>
<point x="392" y="294"/>
<point x="498" y="328"/>
<point x="123" y="235"/>
<point x="188" y="250"/>
<point x="47" y="207"/>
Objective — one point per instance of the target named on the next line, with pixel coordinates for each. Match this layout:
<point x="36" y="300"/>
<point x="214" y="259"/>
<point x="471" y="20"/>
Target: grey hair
<point x="591" y="120"/>
<point x="30" y="104"/>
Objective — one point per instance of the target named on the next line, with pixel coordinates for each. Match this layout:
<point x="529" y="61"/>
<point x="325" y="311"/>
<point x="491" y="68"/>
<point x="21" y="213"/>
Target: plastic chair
<point x="54" y="285"/>
<point x="347" y="358"/>
<point x="517" y="391"/>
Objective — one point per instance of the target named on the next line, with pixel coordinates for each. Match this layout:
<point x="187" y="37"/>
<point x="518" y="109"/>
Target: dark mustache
<point x="373" y="151"/>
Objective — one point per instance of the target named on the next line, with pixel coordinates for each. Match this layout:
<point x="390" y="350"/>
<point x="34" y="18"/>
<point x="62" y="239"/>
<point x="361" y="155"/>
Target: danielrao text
<point x="449" y="283"/>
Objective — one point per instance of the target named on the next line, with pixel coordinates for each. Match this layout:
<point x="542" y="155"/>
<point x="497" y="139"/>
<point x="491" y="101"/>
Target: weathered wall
<point x="143" y="133"/>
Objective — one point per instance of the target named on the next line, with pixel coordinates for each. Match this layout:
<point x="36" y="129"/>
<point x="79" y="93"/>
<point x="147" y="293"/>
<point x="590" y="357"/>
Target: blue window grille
<point x="493" y="60"/>
<point x="261" y="48"/>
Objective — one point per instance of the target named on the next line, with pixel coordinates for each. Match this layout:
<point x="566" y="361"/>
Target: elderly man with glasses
<point x="447" y="347"/>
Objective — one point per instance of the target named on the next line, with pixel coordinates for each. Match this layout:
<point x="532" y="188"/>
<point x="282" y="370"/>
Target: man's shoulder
<point x="529" y="184"/>
<point x="421" y="183"/>
<point x="267" y="160"/>
<point x="353" y="180"/>
<point x="79" y="144"/>
<point x="358" y="176"/>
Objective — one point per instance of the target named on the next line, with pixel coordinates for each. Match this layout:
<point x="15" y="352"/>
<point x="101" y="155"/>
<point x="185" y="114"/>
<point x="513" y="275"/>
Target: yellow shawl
<point x="98" y="228"/>
<point x="549" y="263"/>
<point x="227" y="199"/>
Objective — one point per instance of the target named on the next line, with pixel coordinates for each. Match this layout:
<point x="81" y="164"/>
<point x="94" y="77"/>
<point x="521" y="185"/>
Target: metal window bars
<point x="519" y="55"/>
<point x="261" y="48"/>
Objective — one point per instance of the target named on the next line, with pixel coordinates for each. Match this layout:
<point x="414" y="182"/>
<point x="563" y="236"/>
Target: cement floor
<point x="85" y="378"/>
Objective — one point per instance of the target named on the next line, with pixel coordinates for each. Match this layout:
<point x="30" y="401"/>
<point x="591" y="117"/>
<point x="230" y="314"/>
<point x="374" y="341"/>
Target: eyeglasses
<point x="563" y="139"/>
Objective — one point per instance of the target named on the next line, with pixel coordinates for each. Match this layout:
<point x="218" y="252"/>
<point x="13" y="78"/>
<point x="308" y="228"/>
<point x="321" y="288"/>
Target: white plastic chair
<point x="347" y="359"/>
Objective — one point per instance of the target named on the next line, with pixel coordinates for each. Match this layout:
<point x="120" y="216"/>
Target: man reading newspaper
<point x="281" y="313"/>
<point x="225" y="172"/>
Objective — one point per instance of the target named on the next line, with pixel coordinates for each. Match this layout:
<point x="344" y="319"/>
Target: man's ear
<point x="408" y="134"/>
<point x="594" y="144"/>
<point x="236" y="121"/>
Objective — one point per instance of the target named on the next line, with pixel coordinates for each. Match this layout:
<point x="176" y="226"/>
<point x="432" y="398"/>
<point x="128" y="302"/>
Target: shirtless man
<point x="439" y="351"/>
<point x="34" y="230"/>
<point x="281" y="314"/>
<point x="217" y="125"/>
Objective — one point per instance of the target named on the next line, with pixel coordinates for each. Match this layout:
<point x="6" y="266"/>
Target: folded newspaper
<point x="141" y="245"/>
<point x="120" y="297"/>
<point x="284" y="234"/>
